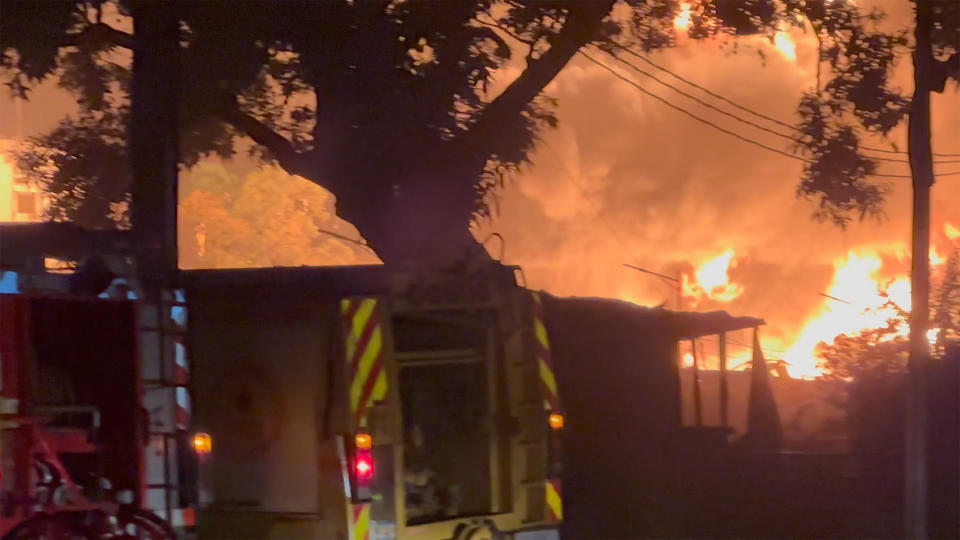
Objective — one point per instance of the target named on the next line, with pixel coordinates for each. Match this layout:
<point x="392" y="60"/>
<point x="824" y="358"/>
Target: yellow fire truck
<point x="367" y="403"/>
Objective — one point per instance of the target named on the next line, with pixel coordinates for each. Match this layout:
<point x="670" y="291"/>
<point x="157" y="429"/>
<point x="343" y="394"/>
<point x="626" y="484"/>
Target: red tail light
<point x="363" y="466"/>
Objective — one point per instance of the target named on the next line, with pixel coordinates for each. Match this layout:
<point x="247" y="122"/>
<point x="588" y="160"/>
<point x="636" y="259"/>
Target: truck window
<point x="444" y="392"/>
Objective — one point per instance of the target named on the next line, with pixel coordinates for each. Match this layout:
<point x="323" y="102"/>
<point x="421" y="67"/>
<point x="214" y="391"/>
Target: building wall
<point x="19" y="200"/>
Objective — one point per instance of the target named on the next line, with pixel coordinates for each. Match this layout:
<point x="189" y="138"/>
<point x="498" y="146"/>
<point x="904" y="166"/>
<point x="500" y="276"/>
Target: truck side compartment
<point x="270" y="402"/>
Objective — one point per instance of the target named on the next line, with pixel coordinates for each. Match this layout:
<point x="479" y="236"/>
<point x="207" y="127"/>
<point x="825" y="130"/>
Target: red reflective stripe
<point x="551" y="398"/>
<point x="368" y="386"/>
<point x="544" y="354"/>
<point x="352" y="307"/>
<point x="364" y="340"/>
<point x="554" y="515"/>
<point x="183" y="417"/>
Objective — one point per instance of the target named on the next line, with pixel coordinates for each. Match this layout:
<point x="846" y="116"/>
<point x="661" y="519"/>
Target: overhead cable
<point x="759" y="114"/>
<point x="722" y="129"/>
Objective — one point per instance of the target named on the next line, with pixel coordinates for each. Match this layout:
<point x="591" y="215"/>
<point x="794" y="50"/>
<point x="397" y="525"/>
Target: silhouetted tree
<point x="387" y="104"/>
<point x="856" y="98"/>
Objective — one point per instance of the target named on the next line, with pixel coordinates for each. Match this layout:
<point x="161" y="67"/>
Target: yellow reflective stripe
<point x="360" y="318"/>
<point x="367" y="360"/>
<point x="379" y="392"/>
<point x="541" y="332"/>
<point x="536" y="296"/>
<point x="554" y="501"/>
<point x="363" y="315"/>
<point x="361" y="524"/>
<point x="546" y="375"/>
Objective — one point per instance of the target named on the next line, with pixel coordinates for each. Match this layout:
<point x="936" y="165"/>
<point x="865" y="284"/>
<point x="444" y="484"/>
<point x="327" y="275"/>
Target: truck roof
<point x="335" y="280"/>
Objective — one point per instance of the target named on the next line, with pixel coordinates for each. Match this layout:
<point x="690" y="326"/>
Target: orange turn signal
<point x="202" y="443"/>
<point x="363" y="441"/>
<point x="556" y="421"/>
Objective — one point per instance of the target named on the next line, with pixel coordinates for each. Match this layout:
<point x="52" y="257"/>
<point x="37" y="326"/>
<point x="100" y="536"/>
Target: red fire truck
<point x="74" y="424"/>
<point x="94" y="408"/>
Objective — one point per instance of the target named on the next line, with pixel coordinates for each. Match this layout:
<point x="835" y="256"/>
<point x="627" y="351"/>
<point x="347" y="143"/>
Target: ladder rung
<point x="163" y="330"/>
<point x="164" y="383"/>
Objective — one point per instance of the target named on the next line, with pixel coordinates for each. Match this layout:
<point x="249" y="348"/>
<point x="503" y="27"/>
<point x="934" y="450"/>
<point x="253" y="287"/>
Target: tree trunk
<point x="423" y="219"/>
<point x="921" y="165"/>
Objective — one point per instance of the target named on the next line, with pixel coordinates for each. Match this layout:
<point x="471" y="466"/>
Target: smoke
<point x="625" y="179"/>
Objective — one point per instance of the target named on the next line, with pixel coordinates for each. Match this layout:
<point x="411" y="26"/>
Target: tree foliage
<point x="390" y="105"/>
<point x="859" y="99"/>
<point x="267" y="218"/>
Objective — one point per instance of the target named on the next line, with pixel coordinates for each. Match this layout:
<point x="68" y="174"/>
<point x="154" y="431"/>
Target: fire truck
<point x="353" y="403"/>
<point x="371" y="403"/>
<point x="94" y="407"/>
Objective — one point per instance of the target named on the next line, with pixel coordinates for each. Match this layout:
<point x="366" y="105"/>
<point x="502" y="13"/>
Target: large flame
<point x="712" y="280"/>
<point x="855" y="303"/>
<point x="785" y="46"/>
<point x="952" y="232"/>
<point x="859" y="299"/>
<point x="683" y="19"/>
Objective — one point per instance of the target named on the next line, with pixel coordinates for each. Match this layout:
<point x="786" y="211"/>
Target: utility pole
<point x="154" y="141"/>
<point x="921" y="166"/>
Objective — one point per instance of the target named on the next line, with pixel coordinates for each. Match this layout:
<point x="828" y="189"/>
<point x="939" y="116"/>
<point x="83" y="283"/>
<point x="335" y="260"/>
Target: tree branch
<point x="505" y="30"/>
<point x="943" y="70"/>
<point x="282" y="149"/>
<point x="580" y="26"/>
<point x="99" y="34"/>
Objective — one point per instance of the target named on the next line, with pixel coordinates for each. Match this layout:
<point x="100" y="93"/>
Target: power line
<point x="702" y="102"/>
<point x="741" y="344"/>
<point x="739" y="118"/>
<point x="690" y="114"/>
<point x="759" y="114"/>
<point x="725" y="130"/>
<point x="651" y="272"/>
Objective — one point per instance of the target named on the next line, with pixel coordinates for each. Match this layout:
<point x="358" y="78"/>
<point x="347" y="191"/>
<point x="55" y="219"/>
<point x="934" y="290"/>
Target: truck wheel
<point x="479" y="531"/>
<point x="145" y="525"/>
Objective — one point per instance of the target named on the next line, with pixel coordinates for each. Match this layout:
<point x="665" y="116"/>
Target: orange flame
<point x="712" y="280"/>
<point x="952" y="232"/>
<point x="785" y="45"/>
<point x="860" y="300"/>
<point x="857" y="304"/>
<point x="936" y="259"/>
<point x="683" y="19"/>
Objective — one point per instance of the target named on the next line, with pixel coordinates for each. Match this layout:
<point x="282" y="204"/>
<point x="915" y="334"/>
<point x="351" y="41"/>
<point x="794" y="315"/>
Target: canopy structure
<point x="694" y="325"/>
<point x="680" y="326"/>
